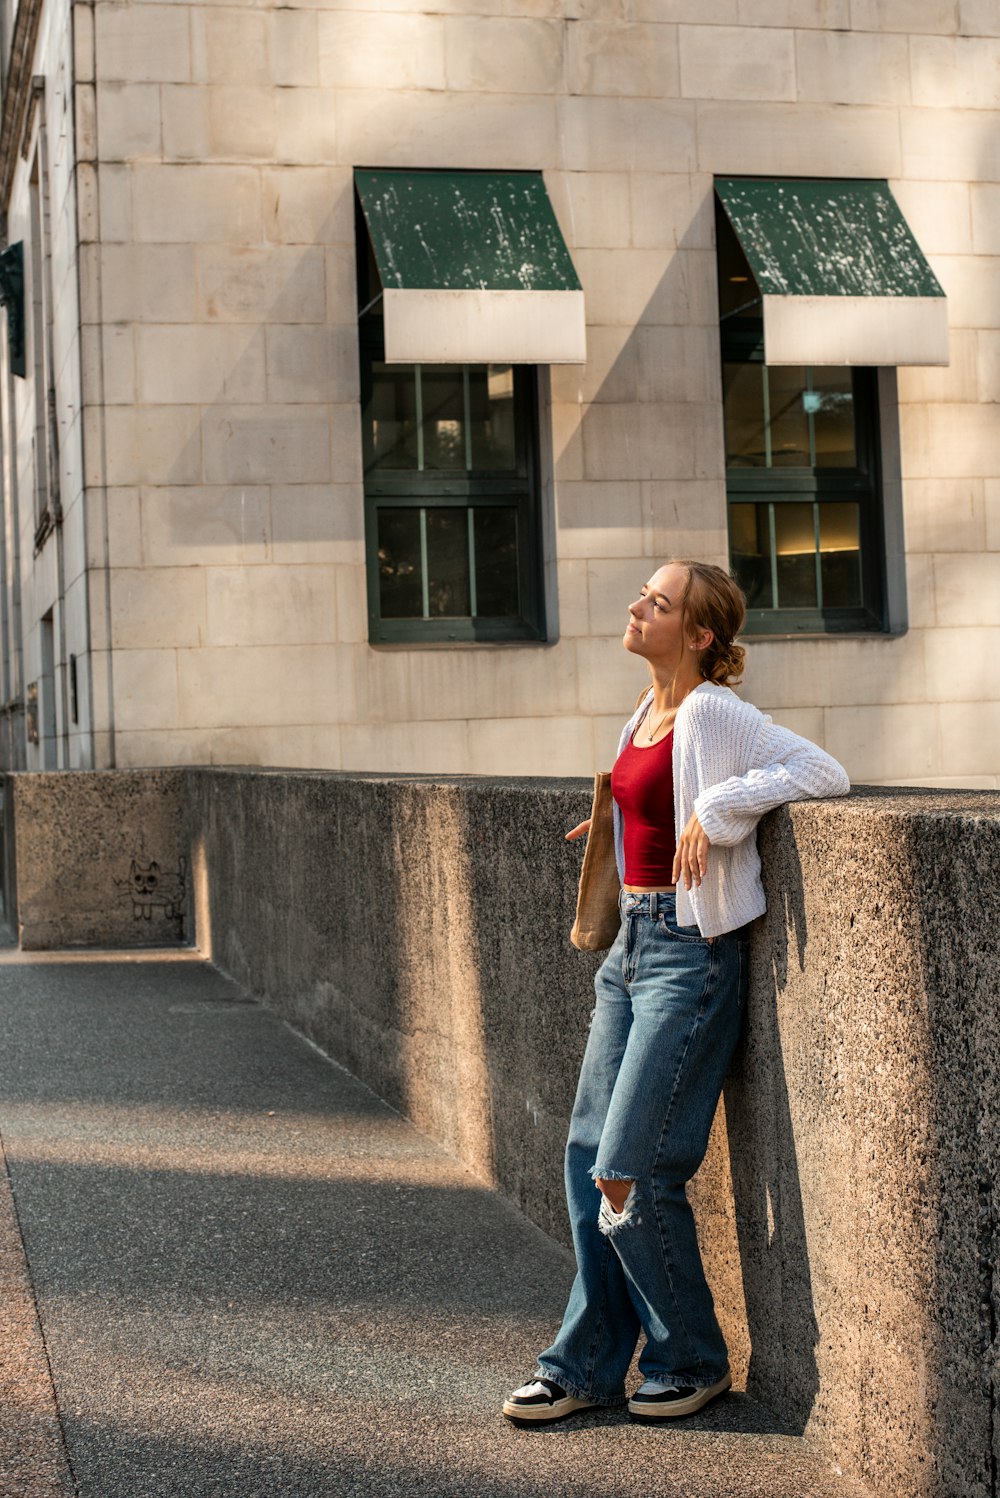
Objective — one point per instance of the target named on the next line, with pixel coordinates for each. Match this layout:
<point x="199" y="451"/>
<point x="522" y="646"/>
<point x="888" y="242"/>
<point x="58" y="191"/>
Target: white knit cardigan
<point x="731" y="765"/>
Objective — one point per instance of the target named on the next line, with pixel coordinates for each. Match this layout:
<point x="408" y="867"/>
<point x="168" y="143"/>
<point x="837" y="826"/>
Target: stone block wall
<point x="215" y="145"/>
<point x="231" y="459"/>
<point x="45" y="578"/>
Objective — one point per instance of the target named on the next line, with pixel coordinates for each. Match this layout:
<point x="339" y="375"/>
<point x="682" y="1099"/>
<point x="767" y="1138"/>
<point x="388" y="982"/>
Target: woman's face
<point x="655" y="625"/>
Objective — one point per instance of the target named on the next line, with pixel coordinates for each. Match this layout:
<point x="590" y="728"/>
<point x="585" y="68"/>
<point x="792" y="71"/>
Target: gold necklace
<point x="652" y="732"/>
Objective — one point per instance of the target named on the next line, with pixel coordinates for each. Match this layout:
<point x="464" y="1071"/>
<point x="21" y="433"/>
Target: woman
<point x="696" y="770"/>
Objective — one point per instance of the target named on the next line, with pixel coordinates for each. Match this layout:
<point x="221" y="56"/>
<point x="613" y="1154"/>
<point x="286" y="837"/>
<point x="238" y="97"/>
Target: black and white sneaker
<point x="653" y="1401"/>
<point x="541" y="1402"/>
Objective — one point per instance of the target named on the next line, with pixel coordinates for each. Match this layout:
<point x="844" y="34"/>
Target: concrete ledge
<point x="418" y="931"/>
<point x="867" y="1108"/>
<point x="100" y="858"/>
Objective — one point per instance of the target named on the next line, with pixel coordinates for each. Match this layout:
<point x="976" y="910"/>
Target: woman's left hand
<point x="691" y="858"/>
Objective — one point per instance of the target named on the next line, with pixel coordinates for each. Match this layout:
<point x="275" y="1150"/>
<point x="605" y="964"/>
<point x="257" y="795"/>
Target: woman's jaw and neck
<point x="657" y="630"/>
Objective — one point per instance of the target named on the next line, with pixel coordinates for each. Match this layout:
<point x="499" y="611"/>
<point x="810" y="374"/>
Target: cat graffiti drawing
<point x="150" y="886"/>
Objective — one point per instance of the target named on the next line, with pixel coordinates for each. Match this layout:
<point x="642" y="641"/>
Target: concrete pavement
<point x="244" y="1276"/>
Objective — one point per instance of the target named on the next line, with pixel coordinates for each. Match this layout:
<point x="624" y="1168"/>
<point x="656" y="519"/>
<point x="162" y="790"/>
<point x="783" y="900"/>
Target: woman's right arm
<point x="786" y="768"/>
<point x="580" y="830"/>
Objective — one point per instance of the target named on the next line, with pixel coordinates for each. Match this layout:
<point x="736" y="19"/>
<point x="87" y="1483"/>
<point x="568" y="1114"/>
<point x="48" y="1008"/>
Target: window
<point x="451" y="492"/>
<point x="802" y="474"/>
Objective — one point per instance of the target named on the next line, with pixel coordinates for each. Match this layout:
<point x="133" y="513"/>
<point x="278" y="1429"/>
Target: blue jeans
<point x="669" y="1008"/>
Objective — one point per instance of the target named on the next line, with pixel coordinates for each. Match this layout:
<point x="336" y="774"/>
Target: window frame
<point x="741" y="339"/>
<point x="444" y="489"/>
<point x="795" y="485"/>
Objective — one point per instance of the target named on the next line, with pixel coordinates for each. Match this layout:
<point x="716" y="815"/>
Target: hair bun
<point x="724" y="663"/>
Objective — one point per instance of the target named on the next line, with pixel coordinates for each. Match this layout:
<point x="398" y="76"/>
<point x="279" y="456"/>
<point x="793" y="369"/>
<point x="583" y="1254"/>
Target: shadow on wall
<point x="955" y="1148"/>
<point x="645" y="413"/>
<point x="773" y="1249"/>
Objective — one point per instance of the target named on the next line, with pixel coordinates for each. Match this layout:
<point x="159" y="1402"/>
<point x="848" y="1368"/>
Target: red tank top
<point x="642" y="782"/>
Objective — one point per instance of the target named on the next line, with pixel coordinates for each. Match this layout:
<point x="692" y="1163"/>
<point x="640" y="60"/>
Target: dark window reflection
<point x="442" y="418"/>
<point x="792" y="548"/>
<point x="840" y="553"/>
<point x="830" y="403"/>
<point x="495" y="546"/>
<point x="790" y="561"/>
<point x="442" y="389"/>
<point x="441" y="539"/>
<point x="743" y="404"/>
<point x="795" y="546"/>
<point x="787" y="416"/>
<point x="400" y="578"/>
<point x="448" y="563"/>
<point x="750" y="550"/>
<point x="392" y="416"/>
<point x="491" y="392"/>
<point x="789" y="425"/>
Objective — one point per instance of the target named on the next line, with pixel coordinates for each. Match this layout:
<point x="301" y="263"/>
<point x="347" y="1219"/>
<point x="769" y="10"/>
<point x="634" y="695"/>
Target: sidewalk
<point x="253" y="1278"/>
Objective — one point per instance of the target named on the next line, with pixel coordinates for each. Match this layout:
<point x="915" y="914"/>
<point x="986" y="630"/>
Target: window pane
<point x="795" y="543"/>
<point x="448" y="563"/>
<point x="399" y="580"/>
<point x="467" y="417"/>
<point x="840" y="554"/>
<point x="392" y="416"/>
<point x="789" y="423"/>
<point x="831" y="405"/>
<point x="807" y="421"/>
<point x="743" y="403"/>
<point x="443" y="390"/>
<point x="491" y="400"/>
<point x="750" y="552"/>
<point x="495" y="532"/>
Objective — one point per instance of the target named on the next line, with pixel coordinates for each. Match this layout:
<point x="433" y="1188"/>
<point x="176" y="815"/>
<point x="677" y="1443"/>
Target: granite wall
<point x="418" y="931"/>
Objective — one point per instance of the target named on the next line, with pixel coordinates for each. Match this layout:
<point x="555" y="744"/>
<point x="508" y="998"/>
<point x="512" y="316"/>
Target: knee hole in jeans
<point x="618" y="1202"/>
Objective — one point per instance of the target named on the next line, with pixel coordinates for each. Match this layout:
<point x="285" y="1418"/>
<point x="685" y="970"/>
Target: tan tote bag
<point x="597" y="917"/>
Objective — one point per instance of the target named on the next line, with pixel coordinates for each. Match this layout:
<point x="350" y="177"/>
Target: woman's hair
<point x="714" y="600"/>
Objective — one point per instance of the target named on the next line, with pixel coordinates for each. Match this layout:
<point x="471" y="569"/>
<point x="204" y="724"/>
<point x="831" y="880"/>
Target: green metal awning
<point x="474" y="268"/>
<point x="841" y="277"/>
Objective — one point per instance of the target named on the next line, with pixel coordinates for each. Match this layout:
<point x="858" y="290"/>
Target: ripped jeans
<point x="669" y="1008"/>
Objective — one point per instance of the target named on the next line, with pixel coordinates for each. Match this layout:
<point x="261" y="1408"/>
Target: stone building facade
<point x="220" y="541"/>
